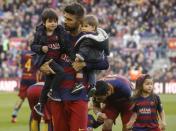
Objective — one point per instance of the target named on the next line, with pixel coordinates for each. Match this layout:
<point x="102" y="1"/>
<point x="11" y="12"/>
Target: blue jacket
<point x="40" y="38"/>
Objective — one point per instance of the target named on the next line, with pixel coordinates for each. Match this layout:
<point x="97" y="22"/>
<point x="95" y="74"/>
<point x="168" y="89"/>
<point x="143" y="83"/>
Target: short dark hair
<point x="91" y="20"/>
<point x="101" y="88"/>
<point x="75" y="9"/>
<point x="49" y="13"/>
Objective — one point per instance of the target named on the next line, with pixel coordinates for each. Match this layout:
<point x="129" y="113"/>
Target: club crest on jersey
<point x="145" y="111"/>
<point x="54" y="46"/>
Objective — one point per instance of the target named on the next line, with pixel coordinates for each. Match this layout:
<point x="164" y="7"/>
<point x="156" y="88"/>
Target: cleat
<point x="52" y="96"/>
<point x="14" y="120"/>
<point x="77" y="88"/>
<point x="38" y="109"/>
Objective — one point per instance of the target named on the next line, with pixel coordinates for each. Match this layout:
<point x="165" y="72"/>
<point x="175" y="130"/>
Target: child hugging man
<point x="48" y="44"/>
<point x="91" y="47"/>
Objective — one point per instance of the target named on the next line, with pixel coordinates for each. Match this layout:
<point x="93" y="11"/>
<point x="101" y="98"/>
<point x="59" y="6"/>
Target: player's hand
<point x="77" y="59"/>
<point x="163" y="126"/>
<point x="89" y="129"/>
<point x="45" y="49"/>
<point x="45" y="68"/>
<point x="78" y="65"/>
<point x="101" y="116"/>
<point x="129" y="126"/>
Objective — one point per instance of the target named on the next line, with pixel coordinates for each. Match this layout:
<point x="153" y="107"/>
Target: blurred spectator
<point x="138" y="32"/>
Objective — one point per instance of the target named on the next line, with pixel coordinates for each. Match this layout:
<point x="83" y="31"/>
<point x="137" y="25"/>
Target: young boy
<point x="47" y="45"/>
<point x="90" y="47"/>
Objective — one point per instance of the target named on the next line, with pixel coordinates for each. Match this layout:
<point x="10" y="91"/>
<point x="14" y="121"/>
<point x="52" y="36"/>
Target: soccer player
<point x="71" y="113"/>
<point x="33" y="94"/>
<point x="29" y="77"/>
<point x="146" y="108"/>
<point x="115" y="93"/>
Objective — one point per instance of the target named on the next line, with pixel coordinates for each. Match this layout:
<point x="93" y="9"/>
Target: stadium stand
<point x="140" y="32"/>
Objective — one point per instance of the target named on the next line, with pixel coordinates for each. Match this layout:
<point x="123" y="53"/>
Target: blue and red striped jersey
<point x="122" y="89"/>
<point x="28" y="71"/>
<point x="53" y="48"/>
<point x="70" y="74"/>
<point x="146" y="109"/>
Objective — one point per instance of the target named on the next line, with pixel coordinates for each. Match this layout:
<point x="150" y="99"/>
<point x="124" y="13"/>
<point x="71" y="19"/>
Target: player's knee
<point x="107" y="124"/>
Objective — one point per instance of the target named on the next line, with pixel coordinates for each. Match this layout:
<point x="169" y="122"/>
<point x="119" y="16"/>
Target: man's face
<point x="71" y="22"/>
<point x="101" y="98"/>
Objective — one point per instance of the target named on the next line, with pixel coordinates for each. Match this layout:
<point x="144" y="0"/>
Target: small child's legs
<point x="56" y="81"/>
<point x="92" y="82"/>
<point x="43" y="96"/>
<point x="51" y="84"/>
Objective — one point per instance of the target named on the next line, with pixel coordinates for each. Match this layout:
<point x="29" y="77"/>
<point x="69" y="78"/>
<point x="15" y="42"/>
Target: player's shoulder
<point x="115" y="77"/>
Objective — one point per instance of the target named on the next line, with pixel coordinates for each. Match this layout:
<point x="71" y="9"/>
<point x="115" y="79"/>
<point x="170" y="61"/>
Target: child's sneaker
<point x="52" y="96"/>
<point x="77" y="88"/>
<point x="38" y="109"/>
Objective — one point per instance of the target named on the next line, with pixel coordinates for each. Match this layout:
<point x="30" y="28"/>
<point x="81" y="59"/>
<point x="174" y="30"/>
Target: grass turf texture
<point x="7" y="101"/>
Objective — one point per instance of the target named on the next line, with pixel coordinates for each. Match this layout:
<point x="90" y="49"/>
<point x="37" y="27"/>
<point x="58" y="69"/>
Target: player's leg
<point x="47" y="118"/>
<point x="22" y="96"/>
<point x="111" y="114"/>
<point x="92" y="82"/>
<point x="43" y="96"/>
<point x="60" y="123"/>
<point x="16" y="110"/>
<point x="77" y="114"/>
<point x="125" y="114"/>
<point x="34" y="117"/>
<point x="56" y="81"/>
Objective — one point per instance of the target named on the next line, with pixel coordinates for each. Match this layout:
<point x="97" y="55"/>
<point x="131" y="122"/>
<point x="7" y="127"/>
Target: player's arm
<point x="133" y="118"/>
<point x="161" y="113"/>
<point x="98" y="111"/>
<point x="36" y="46"/>
<point x="96" y="105"/>
<point x="163" y="120"/>
<point x="129" y="125"/>
<point x="102" y="65"/>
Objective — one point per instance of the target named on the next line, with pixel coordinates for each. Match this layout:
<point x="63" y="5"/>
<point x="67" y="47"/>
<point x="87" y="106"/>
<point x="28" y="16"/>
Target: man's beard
<point x="71" y="29"/>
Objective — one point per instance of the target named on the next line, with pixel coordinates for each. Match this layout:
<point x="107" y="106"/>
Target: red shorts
<point x="69" y="115"/>
<point x="33" y="94"/>
<point x="23" y="91"/>
<point x="145" y="129"/>
<point x="124" y="109"/>
<point x="24" y="84"/>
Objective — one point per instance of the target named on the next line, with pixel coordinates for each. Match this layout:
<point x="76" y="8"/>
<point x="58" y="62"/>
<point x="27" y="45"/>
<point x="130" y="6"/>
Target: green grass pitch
<point x="7" y="101"/>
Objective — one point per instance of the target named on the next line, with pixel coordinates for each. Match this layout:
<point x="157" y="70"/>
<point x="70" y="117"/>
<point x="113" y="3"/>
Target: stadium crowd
<point x="138" y="31"/>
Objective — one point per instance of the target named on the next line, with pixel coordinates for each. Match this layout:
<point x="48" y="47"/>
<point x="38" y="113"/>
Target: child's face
<point x="51" y="24"/>
<point x="87" y="28"/>
<point x="148" y="86"/>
